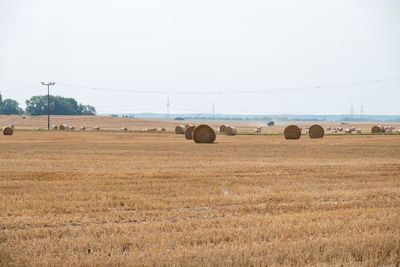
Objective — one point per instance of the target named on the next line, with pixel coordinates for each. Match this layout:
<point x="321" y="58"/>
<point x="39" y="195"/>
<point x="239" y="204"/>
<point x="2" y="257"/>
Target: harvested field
<point x="98" y="198"/>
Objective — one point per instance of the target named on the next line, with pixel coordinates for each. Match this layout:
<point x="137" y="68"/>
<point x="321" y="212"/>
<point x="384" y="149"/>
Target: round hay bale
<point x="358" y="131"/>
<point x="316" y="131"/>
<point x="398" y="131"/>
<point x="11" y="126"/>
<point x="61" y="127"/>
<point x="71" y="128"/>
<point x="340" y="129"/>
<point x="388" y="131"/>
<point x="222" y="128"/>
<point x="328" y="128"/>
<point x="8" y="131"/>
<point x="333" y="131"/>
<point x="292" y="132"/>
<point x="180" y="129"/>
<point x="189" y="132"/>
<point x="347" y="131"/>
<point x="257" y="130"/>
<point x="230" y="130"/>
<point x="187" y="125"/>
<point x="377" y="129"/>
<point x="54" y="127"/>
<point x="124" y="129"/>
<point x="96" y="128"/>
<point x="162" y="130"/>
<point x="204" y="134"/>
<point x="83" y="128"/>
<point x="353" y="129"/>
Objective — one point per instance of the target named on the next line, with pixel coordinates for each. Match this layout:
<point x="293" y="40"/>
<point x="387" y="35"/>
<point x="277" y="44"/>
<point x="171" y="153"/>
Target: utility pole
<point x="167" y="114"/>
<point x="352" y="111"/>
<point x="362" y="109"/>
<point x="48" y="102"/>
<point x="213" y="111"/>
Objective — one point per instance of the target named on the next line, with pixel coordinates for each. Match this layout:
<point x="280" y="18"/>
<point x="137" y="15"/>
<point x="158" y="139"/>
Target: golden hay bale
<point x="189" y="132"/>
<point x="61" y="127"/>
<point x="161" y="129"/>
<point x="204" y="134"/>
<point x="377" y="129"/>
<point x="8" y="131"/>
<point x="54" y="127"/>
<point x="292" y="132"/>
<point x="257" y="130"/>
<point x="222" y="128"/>
<point x="180" y="129"/>
<point x="72" y="128"/>
<point x="124" y="129"/>
<point x="83" y="128"/>
<point x="347" y="131"/>
<point x="340" y="129"/>
<point x="96" y="128"/>
<point x="328" y="128"/>
<point x="316" y="131"/>
<point x="230" y="130"/>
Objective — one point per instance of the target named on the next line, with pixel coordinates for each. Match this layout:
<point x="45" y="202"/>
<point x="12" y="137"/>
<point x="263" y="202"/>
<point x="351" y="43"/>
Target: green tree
<point x="37" y="105"/>
<point x="10" y="107"/>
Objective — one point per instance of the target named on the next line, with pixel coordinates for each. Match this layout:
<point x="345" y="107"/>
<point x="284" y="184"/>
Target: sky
<point x="242" y="57"/>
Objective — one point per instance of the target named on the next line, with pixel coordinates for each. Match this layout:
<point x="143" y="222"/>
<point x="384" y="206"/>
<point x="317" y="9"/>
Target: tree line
<point x="37" y="105"/>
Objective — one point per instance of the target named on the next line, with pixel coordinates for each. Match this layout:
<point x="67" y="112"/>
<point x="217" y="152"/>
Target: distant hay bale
<point x="54" y="127"/>
<point x="328" y="128"/>
<point x="96" y="128"/>
<point x="83" y="128"/>
<point x="340" y="129"/>
<point x="388" y="131"/>
<point x="358" y="131"/>
<point x="61" y="127"/>
<point x="8" y="131"/>
<point x="187" y="125"/>
<point x="180" y="129"/>
<point x="377" y="129"/>
<point x="162" y="129"/>
<point x="124" y="129"/>
<point x="347" y="131"/>
<point x="189" y="132"/>
<point x="257" y="130"/>
<point x="11" y="126"/>
<point x="222" y="128"/>
<point x="333" y="131"/>
<point x="398" y="131"/>
<point x="292" y="132"/>
<point x="353" y="129"/>
<point x="71" y="128"/>
<point x="316" y="131"/>
<point x="204" y="134"/>
<point x="230" y="130"/>
<point x="152" y="130"/>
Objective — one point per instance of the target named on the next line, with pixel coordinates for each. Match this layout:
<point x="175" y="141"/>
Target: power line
<point x="243" y="91"/>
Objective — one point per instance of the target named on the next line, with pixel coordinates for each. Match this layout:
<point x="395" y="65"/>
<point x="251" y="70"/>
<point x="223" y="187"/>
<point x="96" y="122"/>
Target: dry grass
<point x="71" y="198"/>
<point x="112" y="123"/>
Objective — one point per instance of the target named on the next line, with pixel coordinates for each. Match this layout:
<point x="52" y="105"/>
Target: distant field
<point x="86" y="198"/>
<point x="112" y="123"/>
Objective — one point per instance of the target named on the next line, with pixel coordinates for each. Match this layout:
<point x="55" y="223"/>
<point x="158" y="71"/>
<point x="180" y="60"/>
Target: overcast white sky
<point x="204" y="46"/>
